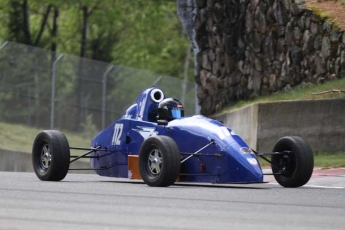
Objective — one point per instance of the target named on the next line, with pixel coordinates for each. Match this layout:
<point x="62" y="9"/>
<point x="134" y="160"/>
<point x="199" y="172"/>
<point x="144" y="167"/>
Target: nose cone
<point x="241" y="167"/>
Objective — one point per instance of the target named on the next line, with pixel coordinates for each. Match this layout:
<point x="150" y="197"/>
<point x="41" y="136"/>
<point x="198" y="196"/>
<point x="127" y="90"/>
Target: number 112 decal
<point x="117" y="134"/>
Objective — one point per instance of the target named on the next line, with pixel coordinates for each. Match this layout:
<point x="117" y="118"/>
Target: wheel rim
<point x="45" y="158"/>
<point x="154" y="162"/>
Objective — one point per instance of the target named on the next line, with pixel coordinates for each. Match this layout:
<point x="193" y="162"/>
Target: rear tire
<point x="159" y="161"/>
<point x="51" y="155"/>
<point x="298" y="165"/>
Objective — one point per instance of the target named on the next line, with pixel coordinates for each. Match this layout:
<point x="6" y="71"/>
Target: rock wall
<point x="247" y="48"/>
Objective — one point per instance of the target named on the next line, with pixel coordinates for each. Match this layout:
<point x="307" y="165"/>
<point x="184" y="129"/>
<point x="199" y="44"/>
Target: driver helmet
<point x="170" y="109"/>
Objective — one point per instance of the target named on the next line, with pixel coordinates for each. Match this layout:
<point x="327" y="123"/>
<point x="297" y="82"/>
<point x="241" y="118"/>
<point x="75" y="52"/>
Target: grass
<point x="297" y="94"/>
<point x="330" y="160"/>
<point x="325" y="15"/>
<point x="21" y="137"/>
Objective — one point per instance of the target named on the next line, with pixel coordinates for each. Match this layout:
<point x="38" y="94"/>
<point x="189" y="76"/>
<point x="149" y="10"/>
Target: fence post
<point x="3" y="45"/>
<point x="185" y="74"/>
<point x="104" y="85"/>
<point x="157" y="80"/>
<point x="52" y="112"/>
<point x="197" y="106"/>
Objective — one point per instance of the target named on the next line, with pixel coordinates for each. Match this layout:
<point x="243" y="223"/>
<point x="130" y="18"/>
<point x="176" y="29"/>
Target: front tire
<point x="159" y="161"/>
<point x="298" y="165"/>
<point x="51" y="155"/>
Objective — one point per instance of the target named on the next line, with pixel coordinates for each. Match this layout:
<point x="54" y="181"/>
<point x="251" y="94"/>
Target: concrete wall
<point x="320" y="122"/>
<point x="17" y="161"/>
<point x="243" y="122"/>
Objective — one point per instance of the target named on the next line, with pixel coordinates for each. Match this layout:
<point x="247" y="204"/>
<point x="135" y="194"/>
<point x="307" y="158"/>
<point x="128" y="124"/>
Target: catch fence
<point x="49" y="90"/>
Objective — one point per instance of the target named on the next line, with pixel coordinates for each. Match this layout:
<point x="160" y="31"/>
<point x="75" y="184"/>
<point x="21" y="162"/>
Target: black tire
<point x="159" y="161"/>
<point x="299" y="164"/>
<point x="51" y="155"/>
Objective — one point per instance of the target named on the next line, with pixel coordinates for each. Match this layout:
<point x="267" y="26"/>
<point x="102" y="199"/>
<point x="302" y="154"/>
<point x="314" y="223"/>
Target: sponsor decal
<point x="118" y="128"/>
<point x="222" y="132"/>
<point x="146" y="132"/>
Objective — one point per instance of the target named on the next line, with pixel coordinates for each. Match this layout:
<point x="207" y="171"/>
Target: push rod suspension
<point x="273" y="153"/>
<point x="207" y="155"/>
<point x="196" y="153"/>
<point x="97" y="149"/>
<point x="91" y="151"/>
<point x="269" y="162"/>
<point x="88" y="169"/>
<point x="101" y="168"/>
<point x="94" y="157"/>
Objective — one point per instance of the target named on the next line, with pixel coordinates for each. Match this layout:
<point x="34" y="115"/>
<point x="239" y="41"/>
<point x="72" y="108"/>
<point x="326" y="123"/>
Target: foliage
<point x="89" y="128"/>
<point x="324" y="15"/>
<point x="144" y="34"/>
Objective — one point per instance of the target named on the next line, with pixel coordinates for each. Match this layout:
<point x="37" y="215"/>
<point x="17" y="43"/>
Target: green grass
<point x="330" y="160"/>
<point x="21" y="137"/>
<point x="322" y="160"/>
<point x="297" y="94"/>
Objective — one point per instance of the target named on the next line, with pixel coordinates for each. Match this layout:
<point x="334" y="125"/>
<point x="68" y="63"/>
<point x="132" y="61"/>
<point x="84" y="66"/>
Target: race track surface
<point x="93" y="202"/>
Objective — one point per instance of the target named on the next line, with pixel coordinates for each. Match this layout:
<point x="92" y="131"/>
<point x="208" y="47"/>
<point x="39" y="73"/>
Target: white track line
<point x="314" y="186"/>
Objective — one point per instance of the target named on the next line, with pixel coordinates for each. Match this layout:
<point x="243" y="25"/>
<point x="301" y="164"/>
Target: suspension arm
<point x="90" y="150"/>
<point x="197" y="152"/>
<point x="262" y="155"/>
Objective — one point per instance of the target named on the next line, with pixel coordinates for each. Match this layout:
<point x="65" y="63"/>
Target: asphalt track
<point x="93" y="202"/>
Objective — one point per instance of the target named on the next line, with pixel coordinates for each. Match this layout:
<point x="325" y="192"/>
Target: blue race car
<point x="153" y="141"/>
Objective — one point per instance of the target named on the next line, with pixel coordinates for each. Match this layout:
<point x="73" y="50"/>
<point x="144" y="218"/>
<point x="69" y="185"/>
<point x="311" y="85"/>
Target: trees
<point x="141" y="34"/>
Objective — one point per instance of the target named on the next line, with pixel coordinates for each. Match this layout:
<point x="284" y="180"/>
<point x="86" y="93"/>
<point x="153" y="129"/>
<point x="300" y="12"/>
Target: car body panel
<point x="228" y="160"/>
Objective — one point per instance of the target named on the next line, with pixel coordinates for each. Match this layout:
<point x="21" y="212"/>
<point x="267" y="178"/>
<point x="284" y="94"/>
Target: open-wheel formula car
<point x="153" y="141"/>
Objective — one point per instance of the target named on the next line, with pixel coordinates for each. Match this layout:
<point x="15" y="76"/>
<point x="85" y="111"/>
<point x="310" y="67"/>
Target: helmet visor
<point x="176" y="113"/>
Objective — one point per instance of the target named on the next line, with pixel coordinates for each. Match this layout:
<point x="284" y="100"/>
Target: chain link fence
<point x="48" y="90"/>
